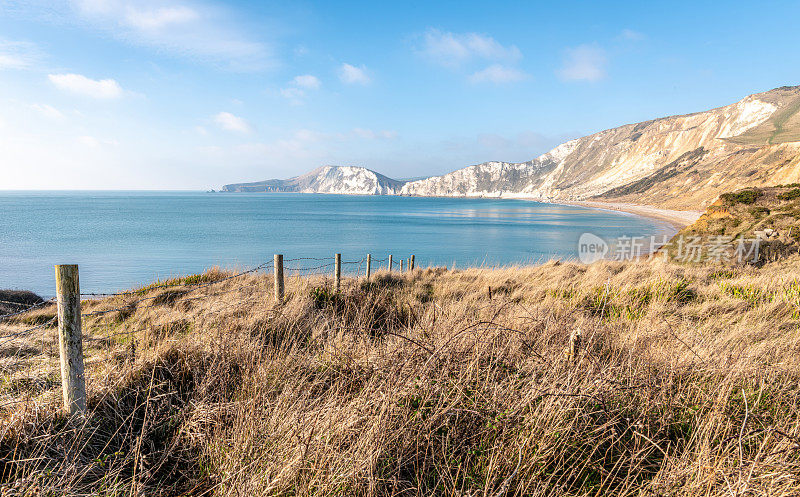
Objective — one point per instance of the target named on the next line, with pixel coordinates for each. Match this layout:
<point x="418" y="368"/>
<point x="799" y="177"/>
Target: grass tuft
<point x="425" y="383"/>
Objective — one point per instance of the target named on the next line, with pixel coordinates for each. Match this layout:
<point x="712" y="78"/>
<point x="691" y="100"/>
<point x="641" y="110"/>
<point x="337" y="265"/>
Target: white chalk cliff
<point x="675" y="162"/>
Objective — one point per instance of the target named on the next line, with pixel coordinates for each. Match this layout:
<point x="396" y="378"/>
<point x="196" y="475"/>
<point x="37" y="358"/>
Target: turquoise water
<point x="123" y="239"/>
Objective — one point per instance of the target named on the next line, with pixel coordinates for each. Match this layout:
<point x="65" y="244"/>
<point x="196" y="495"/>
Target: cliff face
<point x="327" y="179"/>
<point x="679" y="162"/>
<point x="675" y="162"/>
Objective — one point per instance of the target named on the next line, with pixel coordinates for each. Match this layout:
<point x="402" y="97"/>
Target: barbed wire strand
<point x="128" y="306"/>
<point x="35" y="306"/>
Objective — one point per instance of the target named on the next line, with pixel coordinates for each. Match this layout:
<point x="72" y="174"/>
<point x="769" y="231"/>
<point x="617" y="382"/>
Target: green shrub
<point x="743" y="197"/>
<point x="790" y="195"/>
<point x="323" y="296"/>
<point x="758" y="211"/>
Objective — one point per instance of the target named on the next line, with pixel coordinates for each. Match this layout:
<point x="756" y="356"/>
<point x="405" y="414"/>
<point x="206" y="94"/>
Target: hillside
<point x="679" y="162"/>
<point x="327" y="179"/>
<point x="434" y="382"/>
<point x="770" y="214"/>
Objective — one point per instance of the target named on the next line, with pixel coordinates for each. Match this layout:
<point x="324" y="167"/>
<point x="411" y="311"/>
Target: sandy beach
<point x="678" y="219"/>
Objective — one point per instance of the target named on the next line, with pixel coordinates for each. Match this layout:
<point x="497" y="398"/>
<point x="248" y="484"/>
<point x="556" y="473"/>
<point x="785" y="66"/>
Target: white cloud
<point x="498" y="74"/>
<point x="584" y="63"/>
<point x="81" y="85"/>
<point x="48" y="111"/>
<point x="180" y="27"/>
<point x="17" y="54"/>
<point x="92" y="142"/>
<point x="631" y="35"/>
<point x="307" y="81"/>
<point x="158" y="18"/>
<point x="369" y="134"/>
<point x="353" y="75"/>
<point x="89" y="141"/>
<point x="299" y="85"/>
<point x="229" y="122"/>
<point x="454" y="49"/>
<point x="294" y="95"/>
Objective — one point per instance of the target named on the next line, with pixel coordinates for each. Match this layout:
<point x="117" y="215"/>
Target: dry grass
<point x="686" y="384"/>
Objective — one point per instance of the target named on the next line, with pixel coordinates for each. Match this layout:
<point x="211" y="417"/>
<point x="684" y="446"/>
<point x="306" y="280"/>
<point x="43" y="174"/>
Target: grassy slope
<point x="782" y="127"/>
<point x="686" y="384"/>
<point x="747" y="212"/>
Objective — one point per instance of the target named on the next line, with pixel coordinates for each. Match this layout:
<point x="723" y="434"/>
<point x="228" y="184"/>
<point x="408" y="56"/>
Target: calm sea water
<point x="123" y="239"/>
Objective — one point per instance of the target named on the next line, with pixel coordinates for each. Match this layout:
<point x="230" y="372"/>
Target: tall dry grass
<point x="427" y="383"/>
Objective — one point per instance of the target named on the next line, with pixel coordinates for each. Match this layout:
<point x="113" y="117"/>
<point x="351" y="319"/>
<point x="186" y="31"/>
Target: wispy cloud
<point x="94" y="142"/>
<point x="48" y="111"/>
<point x="294" y="95"/>
<point x="230" y="122"/>
<point x="368" y="134"/>
<point x="498" y="74"/>
<point x="154" y="19"/>
<point x="630" y="35"/>
<point x="453" y="49"/>
<point x="81" y="85"/>
<point x="307" y="81"/>
<point x="18" y="54"/>
<point x="584" y="63"/>
<point x="298" y="86"/>
<point x="179" y="27"/>
<point x="352" y="75"/>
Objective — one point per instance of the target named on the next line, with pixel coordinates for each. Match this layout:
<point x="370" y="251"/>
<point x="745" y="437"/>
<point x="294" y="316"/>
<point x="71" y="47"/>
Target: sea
<point x="122" y="240"/>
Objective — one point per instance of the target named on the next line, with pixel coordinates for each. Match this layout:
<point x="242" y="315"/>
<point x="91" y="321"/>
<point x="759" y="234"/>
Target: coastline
<point x="676" y="219"/>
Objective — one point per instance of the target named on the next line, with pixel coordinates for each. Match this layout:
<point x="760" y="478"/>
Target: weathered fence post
<point x="574" y="346"/>
<point x="70" y="339"/>
<point x="279" y="288"/>
<point x="411" y="263"/>
<point x="401" y="265"/>
<point x="337" y="277"/>
<point x="369" y="265"/>
<point x="390" y="263"/>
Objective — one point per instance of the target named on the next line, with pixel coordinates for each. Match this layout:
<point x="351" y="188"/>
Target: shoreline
<point x="676" y="219"/>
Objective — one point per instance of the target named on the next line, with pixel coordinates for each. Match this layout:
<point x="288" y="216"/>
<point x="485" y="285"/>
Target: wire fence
<point x="42" y="315"/>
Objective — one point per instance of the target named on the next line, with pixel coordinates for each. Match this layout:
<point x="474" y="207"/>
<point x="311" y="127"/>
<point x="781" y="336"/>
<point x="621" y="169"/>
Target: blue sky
<point x="191" y="94"/>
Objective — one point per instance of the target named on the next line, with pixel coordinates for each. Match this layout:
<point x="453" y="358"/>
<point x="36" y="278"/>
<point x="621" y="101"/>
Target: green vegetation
<point x="790" y="195"/>
<point x="770" y="213"/>
<point x="743" y="197"/>
<point x="322" y="296"/>
<point x="214" y="274"/>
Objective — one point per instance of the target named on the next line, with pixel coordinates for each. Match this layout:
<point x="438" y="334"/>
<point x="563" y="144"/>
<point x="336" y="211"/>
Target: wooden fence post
<point x="390" y="262"/>
<point x="337" y="278"/>
<point x="279" y="288"/>
<point x="369" y="265"/>
<point x="411" y="263"/>
<point x="70" y="339"/>
<point x="574" y="346"/>
<point x="401" y="265"/>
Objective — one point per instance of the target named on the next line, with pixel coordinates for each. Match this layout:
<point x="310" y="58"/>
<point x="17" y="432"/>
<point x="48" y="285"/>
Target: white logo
<point x="591" y="248"/>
